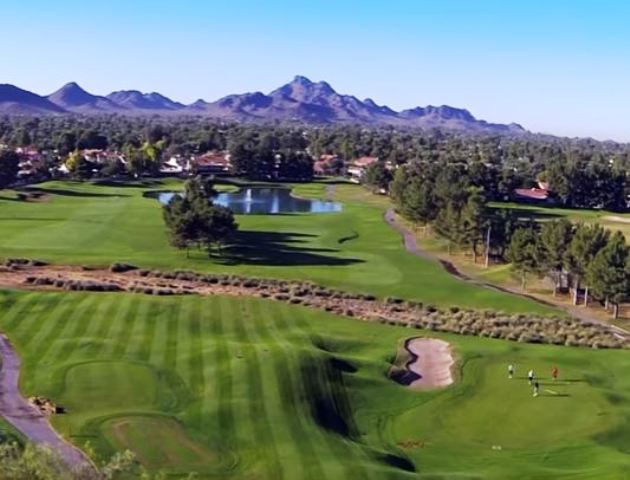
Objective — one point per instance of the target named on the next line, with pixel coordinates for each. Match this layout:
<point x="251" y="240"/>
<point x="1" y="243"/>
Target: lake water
<point x="266" y="201"/>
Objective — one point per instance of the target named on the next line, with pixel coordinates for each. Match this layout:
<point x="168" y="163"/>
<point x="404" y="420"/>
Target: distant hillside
<point x="73" y="98"/>
<point x="135" y="100"/>
<point x="300" y="100"/>
<point x="15" y="101"/>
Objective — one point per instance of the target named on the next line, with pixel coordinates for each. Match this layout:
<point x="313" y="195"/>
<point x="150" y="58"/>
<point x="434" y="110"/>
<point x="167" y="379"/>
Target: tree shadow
<point x="10" y="199"/>
<point x="72" y="193"/>
<point x="525" y="213"/>
<point x="251" y="247"/>
<point x="128" y="183"/>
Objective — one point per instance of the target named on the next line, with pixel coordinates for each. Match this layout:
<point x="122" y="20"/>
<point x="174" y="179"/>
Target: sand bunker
<point x="430" y="364"/>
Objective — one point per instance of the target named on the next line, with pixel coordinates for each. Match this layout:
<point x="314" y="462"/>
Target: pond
<point x="266" y="201"/>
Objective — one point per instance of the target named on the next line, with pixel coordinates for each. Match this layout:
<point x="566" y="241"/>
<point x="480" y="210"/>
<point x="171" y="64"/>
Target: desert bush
<point x="119" y="267"/>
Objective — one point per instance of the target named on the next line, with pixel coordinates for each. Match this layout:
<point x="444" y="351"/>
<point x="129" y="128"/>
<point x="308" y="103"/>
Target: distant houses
<point x="327" y="164"/>
<point x="357" y="167"/>
<point x="213" y="163"/>
<point x="539" y="194"/>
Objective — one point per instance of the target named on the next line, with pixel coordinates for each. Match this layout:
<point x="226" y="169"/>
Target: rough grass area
<point x="96" y="224"/>
<point x="8" y="433"/>
<point x="252" y="388"/>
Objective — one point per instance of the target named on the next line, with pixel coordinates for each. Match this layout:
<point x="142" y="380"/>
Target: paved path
<point x="409" y="240"/>
<point x="27" y="419"/>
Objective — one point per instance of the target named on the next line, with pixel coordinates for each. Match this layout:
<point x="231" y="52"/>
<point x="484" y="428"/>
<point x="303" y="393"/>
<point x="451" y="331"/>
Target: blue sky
<point x="554" y="66"/>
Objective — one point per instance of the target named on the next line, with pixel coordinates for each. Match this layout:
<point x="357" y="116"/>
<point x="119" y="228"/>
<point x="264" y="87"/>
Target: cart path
<point x="409" y="241"/>
<point x="16" y="410"/>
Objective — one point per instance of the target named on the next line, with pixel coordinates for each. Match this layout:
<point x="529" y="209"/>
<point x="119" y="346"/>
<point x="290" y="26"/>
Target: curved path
<point x="431" y="362"/>
<point x="26" y="418"/>
<point x="409" y="240"/>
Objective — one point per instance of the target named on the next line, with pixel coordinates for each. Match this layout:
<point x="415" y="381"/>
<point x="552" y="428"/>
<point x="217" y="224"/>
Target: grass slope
<point x="250" y="388"/>
<point x="83" y="223"/>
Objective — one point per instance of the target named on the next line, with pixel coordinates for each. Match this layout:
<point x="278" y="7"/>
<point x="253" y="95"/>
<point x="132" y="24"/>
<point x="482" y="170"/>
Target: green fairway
<point x="251" y="388"/>
<point x="84" y="223"/>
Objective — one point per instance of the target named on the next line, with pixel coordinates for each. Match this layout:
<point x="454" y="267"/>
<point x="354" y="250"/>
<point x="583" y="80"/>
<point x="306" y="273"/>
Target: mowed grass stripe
<point x="157" y="355"/>
<point x="285" y="320"/>
<point x="342" y="450"/>
<point x="145" y="343"/>
<point x="64" y="343"/>
<point x="172" y="334"/>
<point x="126" y="322"/>
<point x="286" y="363"/>
<point x="15" y="314"/>
<point x="264" y="354"/>
<point x="101" y="335"/>
<point x="230" y="385"/>
<point x="265" y="433"/>
<point x="119" y="324"/>
<point x="29" y="321"/>
<point x="71" y="342"/>
<point x="136" y="334"/>
<point x="49" y="335"/>
<point x="92" y="339"/>
<point x="196" y="362"/>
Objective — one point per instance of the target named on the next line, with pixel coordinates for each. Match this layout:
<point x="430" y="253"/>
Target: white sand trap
<point x="431" y="361"/>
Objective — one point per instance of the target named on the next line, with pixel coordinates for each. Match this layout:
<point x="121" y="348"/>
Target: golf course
<point x="90" y="224"/>
<point x="244" y="387"/>
<point x="240" y="388"/>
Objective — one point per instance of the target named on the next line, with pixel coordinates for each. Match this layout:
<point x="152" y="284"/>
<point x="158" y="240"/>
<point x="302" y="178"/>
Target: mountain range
<point x="300" y="100"/>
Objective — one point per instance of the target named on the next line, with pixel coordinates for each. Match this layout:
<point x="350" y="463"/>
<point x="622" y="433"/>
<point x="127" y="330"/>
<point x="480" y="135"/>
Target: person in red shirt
<point x="554" y="373"/>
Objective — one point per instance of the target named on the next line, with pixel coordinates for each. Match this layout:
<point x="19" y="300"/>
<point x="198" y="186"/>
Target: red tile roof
<point x="364" y="161"/>
<point x="532" y="193"/>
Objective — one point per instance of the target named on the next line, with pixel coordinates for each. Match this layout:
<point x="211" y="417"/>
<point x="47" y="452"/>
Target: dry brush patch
<point x="392" y="311"/>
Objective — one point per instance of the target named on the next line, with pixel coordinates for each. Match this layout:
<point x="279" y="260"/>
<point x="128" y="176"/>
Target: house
<point x="176" y="165"/>
<point x="31" y="163"/>
<point x="98" y="156"/>
<point x="213" y="163"/>
<point x="324" y="165"/>
<point x="533" y="195"/>
<point x="358" y="166"/>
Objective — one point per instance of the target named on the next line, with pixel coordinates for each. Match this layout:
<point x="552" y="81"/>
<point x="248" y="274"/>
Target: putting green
<point x="250" y="388"/>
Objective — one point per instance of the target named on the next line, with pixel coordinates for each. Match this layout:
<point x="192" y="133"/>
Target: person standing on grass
<point x="536" y="388"/>
<point x="530" y="376"/>
<point x="554" y="373"/>
<point x="510" y="371"/>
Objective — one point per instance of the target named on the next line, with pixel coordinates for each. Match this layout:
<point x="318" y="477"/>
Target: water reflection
<point x="266" y="201"/>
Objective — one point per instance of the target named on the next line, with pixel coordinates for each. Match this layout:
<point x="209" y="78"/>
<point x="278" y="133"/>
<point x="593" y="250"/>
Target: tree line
<point x="591" y="259"/>
<point x="584" y="258"/>
<point x="583" y="173"/>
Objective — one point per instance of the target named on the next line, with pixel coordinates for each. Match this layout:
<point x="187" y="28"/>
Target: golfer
<point x="554" y="373"/>
<point x="510" y="371"/>
<point x="536" y="388"/>
<point x="530" y="376"/>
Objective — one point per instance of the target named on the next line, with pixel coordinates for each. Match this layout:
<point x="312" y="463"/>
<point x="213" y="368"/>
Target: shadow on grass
<point x="128" y="183"/>
<point x="11" y="199"/>
<point x="278" y="249"/>
<point x="73" y="193"/>
<point x="525" y="213"/>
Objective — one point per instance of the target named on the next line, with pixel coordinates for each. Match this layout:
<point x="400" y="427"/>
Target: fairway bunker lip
<point x="430" y="365"/>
